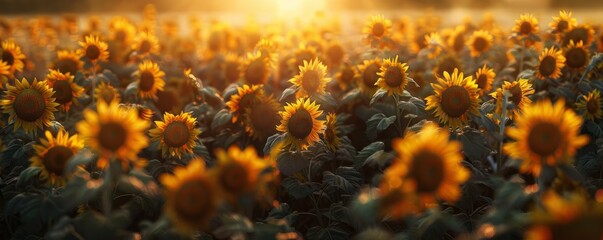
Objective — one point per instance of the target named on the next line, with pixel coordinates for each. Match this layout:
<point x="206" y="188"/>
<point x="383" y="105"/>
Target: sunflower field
<point x="380" y="127"/>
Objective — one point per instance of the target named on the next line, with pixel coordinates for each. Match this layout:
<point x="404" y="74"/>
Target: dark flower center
<point x="482" y="81"/>
<point x="8" y="57"/>
<point x="147" y="80"/>
<point x="335" y="54"/>
<point x="233" y="178"/>
<point x="459" y="42"/>
<point x="562" y="26"/>
<point x="370" y="76"/>
<point x="256" y="72"/>
<point x="544" y="139"/>
<point x="310" y="81"/>
<point x="516" y="95"/>
<point x="107" y="95"/>
<point x="176" y="134"/>
<point x="264" y="119"/>
<point x="428" y="171"/>
<point x="480" y="44"/>
<point x="378" y="29"/>
<point x="67" y="65"/>
<point x="525" y="28"/>
<point x="93" y="52"/>
<point x="192" y="200"/>
<point x="592" y="105"/>
<point x="145" y="47"/>
<point x="576" y="58"/>
<point x="112" y="136"/>
<point x="577" y="35"/>
<point x="300" y="124"/>
<point x="393" y="76"/>
<point x="56" y="158"/>
<point x="448" y="64"/>
<point x="29" y="105"/>
<point x="548" y="65"/>
<point x="455" y="101"/>
<point x="63" y="91"/>
<point x="347" y="75"/>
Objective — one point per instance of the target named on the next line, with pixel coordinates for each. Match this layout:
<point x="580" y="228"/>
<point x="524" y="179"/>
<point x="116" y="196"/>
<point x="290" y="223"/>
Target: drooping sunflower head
<point x="369" y="75"/>
<point x="121" y="30"/>
<point x="146" y="43"/>
<point x="545" y="133"/>
<point x="455" y="99"/>
<point x="377" y="26"/>
<point x="312" y="78"/>
<point x="526" y="24"/>
<point x="393" y="76"/>
<point x="67" y="62"/>
<point x="262" y="118"/>
<point x="300" y="123"/>
<point x="53" y="154"/>
<point x="66" y="91"/>
<point x="176" y="134"/>
<point x="484" y="78"/>
<point x="331" y="134"/>
<point x="255" y="70"/>
<point x="237" y="173"/>
<point x="93" y="49"/>
<point x="346" y="75"/>
<point x="447" y="63"/>
<point x="107" y="93"/>
<point x="563" y="23"/>
<point x="583" y="32"/>
<point x="479" y="42"/>
<point x="428" y="165"/>
<point x="245" y="97"/>
<point x="150" y="79"/>
<point x="113" y="131"/>
<point x="12" y="56"/>
<point x="576" y="55"/>
<point x="29" y="106"/>
<point x="550" y="63"/>
<point x="590" y="105"/>
<point x="191" y="197"/>
<point x="519" y="96"/>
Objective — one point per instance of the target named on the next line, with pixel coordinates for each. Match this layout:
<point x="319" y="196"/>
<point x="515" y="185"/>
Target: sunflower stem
<point x="397" y="122"/>
<point x="501" y="130"/>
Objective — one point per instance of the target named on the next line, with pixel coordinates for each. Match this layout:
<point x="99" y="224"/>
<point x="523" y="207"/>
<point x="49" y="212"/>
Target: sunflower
<point x="29" y="105"/>
<point x="113" y="132"/>
<point x="53" y="154"/>
<point x="447" y="63"/>
<point x="455" y="98"/>
<point x="255" y="69"/>
<point x="345" y="76"/>
<point x="526" y="24"/>
<point x="433" y="43"/>
<point x="393" y="76"/>
<point x="67" y="62"/>
<point x="150" y="79"/>
<point x="262" y="117"/>
<point x="550" y="63"/>
<point x="479" y="42"/>
<point x="369" y="75"/>
<point x="304" y="52"/>
<point x="176" y="134"/>
<point x="563" y="23"/>
<point x="300" y="123"/>
<point x="311" y="79"/>
<point x="335" y="53"/>
<point x="121" y="30"/>
<point x="245" y="97"/>
<point x="427" y="165"/>
<point x="484" y="78"/>
<point x="146" y="43"/>
<point x="93" y="49"/>
<point x="576" y="55"/>
<point x="238" y="173"/>
<point x="590" y="105"/>
<point x="456" y="40"/>
<point x="520" y="92"/>
<point x="4" y="73"/>
<point x="191" y="197"/>
<point x="268" y="50"/>
<point x="66" y="91"/>
<point x="331" y="134"/>
<point x="545" y="134"/>
<point x="377" y="27"/>
<point x="12" y="55"/>
<point x="144" y="113"/>
<point x="584" y="33"/>
<point x="107" y="93"/>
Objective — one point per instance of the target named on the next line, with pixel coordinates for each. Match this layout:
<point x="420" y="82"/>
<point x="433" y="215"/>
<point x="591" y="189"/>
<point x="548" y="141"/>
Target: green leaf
<point x="332" y="232"/>
<point x="342" y="183"/>
<point x="361" y="158"/>
<point x="378" y="95"/>
<point x="408" y="107"/>
<point x="350" y="96"/>
<point x="288" y="92"/>
<point x="221" y="118"/>
<point x="291" y="162"/>
<point x="475" y="145"/>
<point x="299" y="189"/>
<point x="28" y="177"/>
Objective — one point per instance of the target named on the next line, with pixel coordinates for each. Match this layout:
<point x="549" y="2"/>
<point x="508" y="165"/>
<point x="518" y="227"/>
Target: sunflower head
<point x="255" y="70"/>
<point x="447" y="63"/>
<point x="369" y="75"/>
<point x="563" y="23"/>
<point x="66" y="91"/>
<point x="94" y="49"/>
<point x="331" y="134"/>
<point x="545" y="134"/>
<point x="191" y="197"/>
<point x="428" y="165"/>
<point x="67" y="62"/>
<point x="526" y="24"/>
<point x="300" y="123"/>
<point x="305" y="52"/>
<point x="377" y="27"/>
<point x="237" y="173"/>
<point x="519" y="95"/>
<point x="53" y="154"/>
<point x="455" y="99"/>
<point x="11" y="54"/>
<point x="590" y="105"/>
<point x="107" y="93"/>
<point x="312" y="78"/>
<point x="456" y="40"/>
<point x="262" y="117"/>
<point x="150" y="79"/>
<point x="393" y="76"/>
<point x="584" y="33"/>
<point x="433" y="43"/>
<point x="268" y="49"/>
<point x="176" y="134"/>
<point x="29" y="106"/>
<point x="550" y="63"/>
<point x="146" y="43"/>
<point x="479" y="42"/>
<point x="576" y="55"/>
<point x="113" y="132"/>
<point x="484" y="78"/>
<point x="346" y="75"/>
<point x="121" y="30"/>
<point x="4" y="73"/>
<point x="245" y="97"/>
<point x="335" y="53"/>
